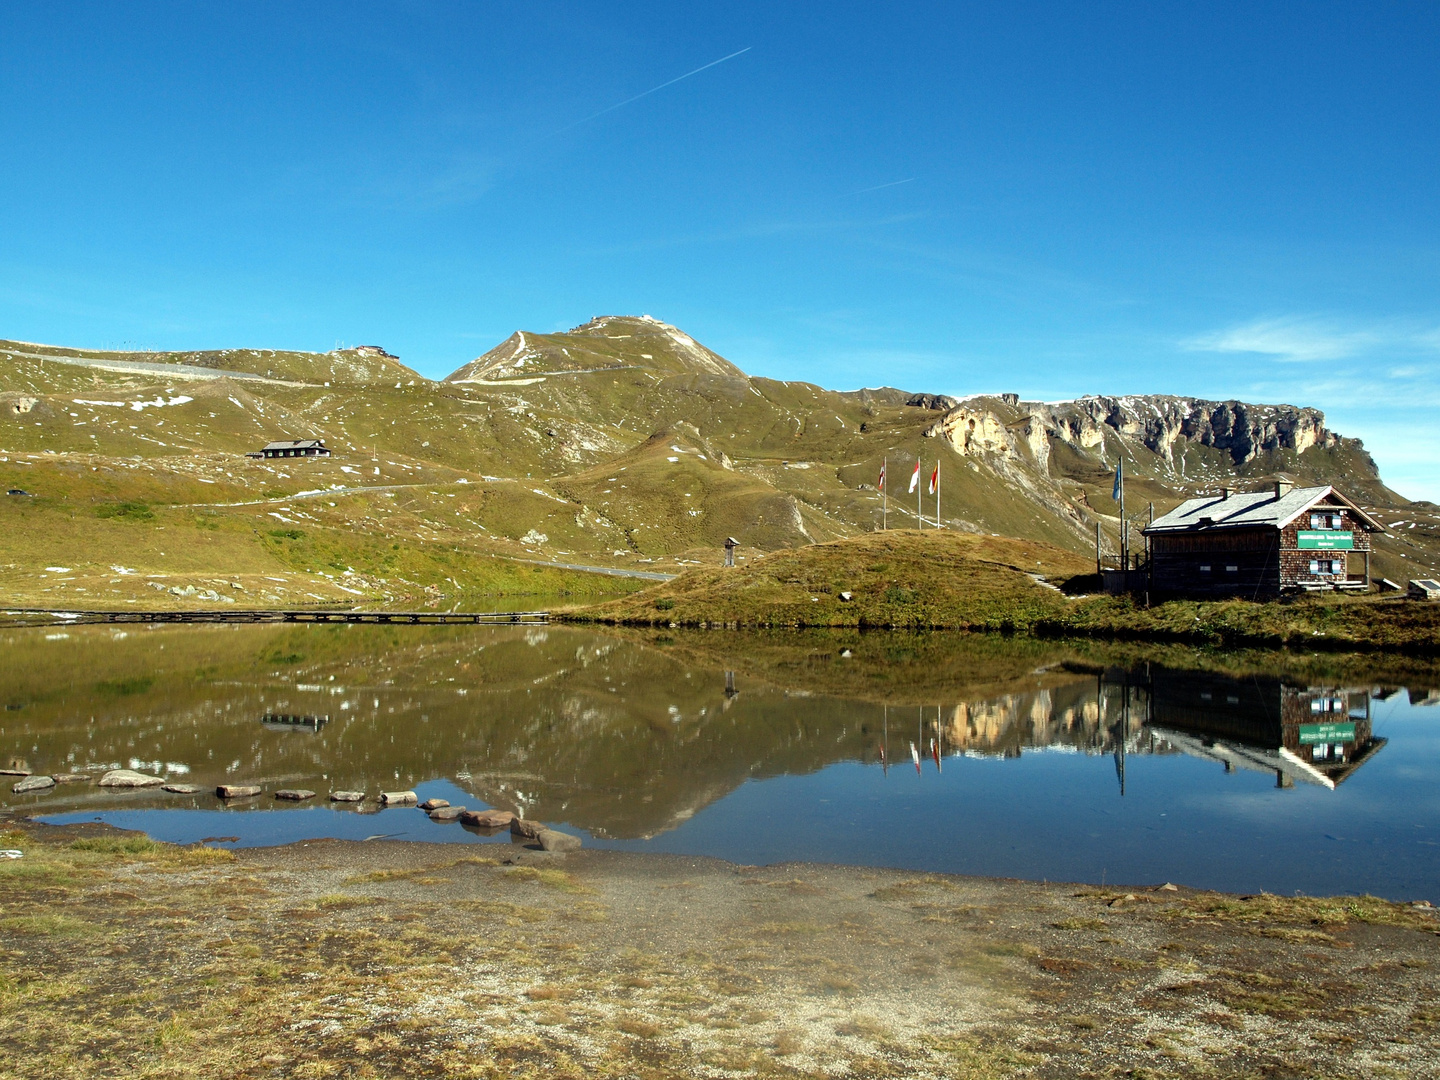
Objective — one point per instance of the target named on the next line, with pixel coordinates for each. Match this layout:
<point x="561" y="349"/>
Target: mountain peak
<point x="608" y="342"/>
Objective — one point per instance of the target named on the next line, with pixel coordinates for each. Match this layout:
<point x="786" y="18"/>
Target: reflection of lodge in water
<point x="287" y="722"/>
<point x="1317" y="735"/>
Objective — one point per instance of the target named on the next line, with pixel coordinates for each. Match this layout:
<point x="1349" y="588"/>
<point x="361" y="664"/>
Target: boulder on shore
<point x="237" y="791"/>
<point x="487" y="819"/>
<point x="129" y="778"/>
<point x="34" y="783"/>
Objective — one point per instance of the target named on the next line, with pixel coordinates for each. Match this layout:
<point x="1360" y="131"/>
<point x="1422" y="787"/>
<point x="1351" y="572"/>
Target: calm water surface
<point x="973" y="755"/>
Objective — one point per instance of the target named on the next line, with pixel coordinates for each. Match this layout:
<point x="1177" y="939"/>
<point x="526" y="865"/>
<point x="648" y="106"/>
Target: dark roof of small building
<point x="1253" y="509"/>
<point x="295" y="444"/>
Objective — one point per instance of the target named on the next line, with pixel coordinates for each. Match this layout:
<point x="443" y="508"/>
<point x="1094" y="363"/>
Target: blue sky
<point x="1214" y="200"/>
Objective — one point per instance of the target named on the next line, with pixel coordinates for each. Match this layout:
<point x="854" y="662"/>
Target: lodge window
<point x="1232" y="569"/>
<point x="1325" y="521"/>
<point x="1204" y="569"/>
<point x="1327" y="566"/>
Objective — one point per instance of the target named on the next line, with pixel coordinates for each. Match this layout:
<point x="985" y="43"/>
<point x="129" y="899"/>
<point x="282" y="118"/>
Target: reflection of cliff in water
<point x="611" y="734"/>
<point x="1311" y="734"/>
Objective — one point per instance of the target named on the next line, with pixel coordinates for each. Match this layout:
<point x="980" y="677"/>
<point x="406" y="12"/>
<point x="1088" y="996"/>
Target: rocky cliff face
<point x="1160" y="423"/>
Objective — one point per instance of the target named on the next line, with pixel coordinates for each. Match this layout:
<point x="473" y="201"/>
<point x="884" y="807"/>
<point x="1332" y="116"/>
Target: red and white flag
<point x="881" y="484"/>
<point x="935" y="478"/>
<point x="915" y="476"/>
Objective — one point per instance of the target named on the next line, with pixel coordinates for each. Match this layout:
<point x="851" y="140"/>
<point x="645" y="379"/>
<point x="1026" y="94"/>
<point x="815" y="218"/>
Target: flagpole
<point x="937" y="496"/>
<point x="1125" y="546"/>
<point x="883" y="496"/>
<point x="919" y="497"/>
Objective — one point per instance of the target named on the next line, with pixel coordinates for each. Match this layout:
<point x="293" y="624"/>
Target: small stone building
<point x="1261" y="543"/>
<point x="289" y="448"/>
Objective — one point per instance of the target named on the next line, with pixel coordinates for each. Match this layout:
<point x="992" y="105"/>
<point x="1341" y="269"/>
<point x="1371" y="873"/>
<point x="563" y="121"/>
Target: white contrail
<point x="877" y="187"/>
<point x="662" y="86"/>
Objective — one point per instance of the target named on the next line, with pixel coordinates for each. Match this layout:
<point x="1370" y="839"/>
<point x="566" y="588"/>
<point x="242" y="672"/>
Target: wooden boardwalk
<point x="421" y="618"/>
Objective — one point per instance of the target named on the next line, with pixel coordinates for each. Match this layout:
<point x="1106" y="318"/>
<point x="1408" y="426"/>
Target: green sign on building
<point x="1321" y="540"/>
<point x="1310" y="734"/>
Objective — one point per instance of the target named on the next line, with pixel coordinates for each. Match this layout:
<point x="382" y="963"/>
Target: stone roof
<point x="1253" y="509"/>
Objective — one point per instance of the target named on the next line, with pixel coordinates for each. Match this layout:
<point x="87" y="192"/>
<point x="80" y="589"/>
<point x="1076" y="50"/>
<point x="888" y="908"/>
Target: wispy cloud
<point x="879" y="187"/>
<point x="1299" y="339"/>
<point x="653" y="89"/>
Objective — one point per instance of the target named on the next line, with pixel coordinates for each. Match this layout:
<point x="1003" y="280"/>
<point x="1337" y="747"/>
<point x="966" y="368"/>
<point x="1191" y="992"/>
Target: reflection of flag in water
<point x="935" y="478"/>
<point x="915" y="476"/>
<point x="915" y="756"/>
<point x="935" y="753"/>
<point x="881" y="483"/>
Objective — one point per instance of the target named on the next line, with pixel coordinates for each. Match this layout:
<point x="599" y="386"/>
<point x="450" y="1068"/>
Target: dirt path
<point x="119" y="956"/>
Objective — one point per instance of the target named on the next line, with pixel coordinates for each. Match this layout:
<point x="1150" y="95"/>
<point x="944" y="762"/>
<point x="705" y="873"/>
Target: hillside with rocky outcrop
<point x="623" y="442"/>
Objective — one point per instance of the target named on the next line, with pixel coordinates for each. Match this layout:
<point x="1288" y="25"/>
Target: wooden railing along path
<point x="263" y="615"/>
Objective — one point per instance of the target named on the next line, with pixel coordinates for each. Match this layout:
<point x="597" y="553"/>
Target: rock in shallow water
<point x="347" y="796"/>
<point x="295" y="794"/>
<point x="72" y="778"/>
<point x="530" y="830"/>
<point x="487" y="819"/>
<point x="551" y="840"/>
<point x="182" y="789"/>
<point x="237" y="791"/>
<point x="399" y="798"/>
<point x="34" y="783"/>
<point x="129" y="778"/>
<point x="434" y="804"/>
<point x="446" y="813"/>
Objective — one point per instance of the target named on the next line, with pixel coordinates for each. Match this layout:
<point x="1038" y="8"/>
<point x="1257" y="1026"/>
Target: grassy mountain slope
<point x="623" y="442"/>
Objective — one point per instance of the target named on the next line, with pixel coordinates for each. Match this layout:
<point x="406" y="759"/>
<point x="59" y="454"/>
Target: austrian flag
<point x="915" y="476"/>
<point x="881" y="484"/>
<point x="935" y="478"/>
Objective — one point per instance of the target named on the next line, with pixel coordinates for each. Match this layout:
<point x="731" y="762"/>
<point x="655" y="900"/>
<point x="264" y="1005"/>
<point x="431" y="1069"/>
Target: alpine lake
<point x="985" y="755"/>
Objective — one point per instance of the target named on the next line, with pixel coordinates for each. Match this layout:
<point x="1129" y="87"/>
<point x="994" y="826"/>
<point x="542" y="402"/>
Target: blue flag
<point x="1115" y="492"/>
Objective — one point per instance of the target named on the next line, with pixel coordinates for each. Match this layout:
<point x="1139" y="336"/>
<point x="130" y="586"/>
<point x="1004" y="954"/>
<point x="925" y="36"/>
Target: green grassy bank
<point x="911" y="580"/>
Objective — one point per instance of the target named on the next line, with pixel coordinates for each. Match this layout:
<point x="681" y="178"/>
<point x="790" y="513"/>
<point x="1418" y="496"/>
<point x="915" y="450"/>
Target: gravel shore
<point x="331" y="958"/>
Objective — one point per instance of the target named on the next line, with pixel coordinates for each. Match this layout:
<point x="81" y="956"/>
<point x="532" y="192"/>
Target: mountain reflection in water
<point x="634" y="737"/>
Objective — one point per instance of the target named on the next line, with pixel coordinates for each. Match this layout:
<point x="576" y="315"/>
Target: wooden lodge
<point x="1260" y="543"/>
<point x="290" y="448"/>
